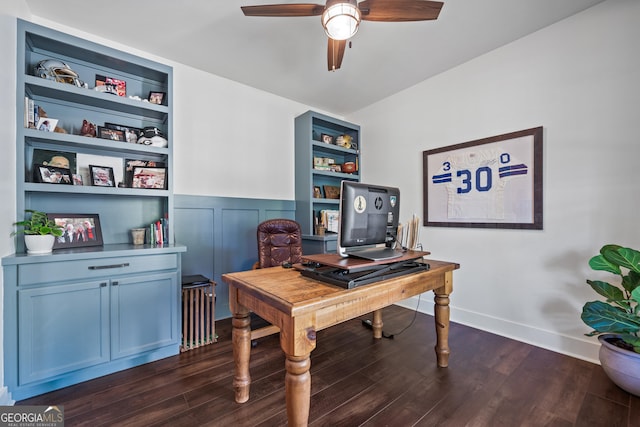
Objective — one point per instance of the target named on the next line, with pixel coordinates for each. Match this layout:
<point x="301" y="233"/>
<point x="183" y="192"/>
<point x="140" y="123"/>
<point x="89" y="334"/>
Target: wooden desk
<point x="300" y="307"/>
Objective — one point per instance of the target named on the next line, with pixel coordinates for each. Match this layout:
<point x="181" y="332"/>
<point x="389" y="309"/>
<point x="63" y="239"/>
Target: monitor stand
<point x="376" y="254"/>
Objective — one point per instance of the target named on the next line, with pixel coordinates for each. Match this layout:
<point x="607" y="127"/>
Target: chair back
<point x="279" y="241"/>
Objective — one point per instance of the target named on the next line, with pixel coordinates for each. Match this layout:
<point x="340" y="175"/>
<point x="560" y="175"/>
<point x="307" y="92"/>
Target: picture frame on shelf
<point x="47" y="174"/>
<point x="494" y="182"/>
<point x="131" y="134"/>
<point x="331" y="192"/>
<point x="111" y="134"/>
<point x="102" y="176"/>
<point x="78" y="230"/>
<point x="326" y="138"/>
<point x="130" y="164"/>
<point x="77" y="179"/>
<point x="149" y="178"/>
<point x="317" y="192"/>
<point x="111" y="85"/>
<point x="46" y="124"/>
<point x="59" y="159"/>
<point x="156" y="97"/>
<point x="336" y="168"/>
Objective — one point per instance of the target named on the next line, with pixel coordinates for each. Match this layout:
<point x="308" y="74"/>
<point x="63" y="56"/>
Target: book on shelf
<point x="159" y="232"/>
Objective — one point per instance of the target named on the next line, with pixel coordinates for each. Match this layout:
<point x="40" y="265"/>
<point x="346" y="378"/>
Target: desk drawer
<point x="48" y="272"/>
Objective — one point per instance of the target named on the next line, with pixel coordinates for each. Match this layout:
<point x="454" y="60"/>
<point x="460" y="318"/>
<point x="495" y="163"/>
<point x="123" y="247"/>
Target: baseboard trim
<point x="5" y="397"/>
<point x="570" y="346"/>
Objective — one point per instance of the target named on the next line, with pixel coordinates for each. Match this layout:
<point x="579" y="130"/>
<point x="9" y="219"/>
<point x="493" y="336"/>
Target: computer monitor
<point x="368" y="221"/>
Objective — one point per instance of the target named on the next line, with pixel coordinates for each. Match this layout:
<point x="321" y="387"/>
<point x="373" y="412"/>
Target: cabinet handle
<point x="103" y="284"/>
<point x="114" y="283"/>
<point x="102" y="267"/>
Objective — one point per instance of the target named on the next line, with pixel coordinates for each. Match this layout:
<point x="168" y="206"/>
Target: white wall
<point x="579" y="80"/>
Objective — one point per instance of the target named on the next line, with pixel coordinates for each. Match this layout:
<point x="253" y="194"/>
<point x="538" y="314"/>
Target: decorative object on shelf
<point x="617" y="321"/>
<point x="464" y="184"/>
<point x="88" y="129"/>
<point x="130" y="164"/>
<point x="344" y="141"/>
<point x="102" y="176"/>
<point x="326" y="138"/>
<point x="110" y="85"/>
<point x="77" y="179"/>
<point x="77" y="230"/>
<point x="336" y="168"/>
<point x="51" y="175"/>
<point x="40" y="114"/>
<point x="58" y="71"/>
<point x="348" y="167"/>
<point x="331" y="191"/>
<point x="39" y="232"/>
<point x="131" y="134"/>
<point x="157" y="97"/>
<point x="137" y="236"/>
<point x="111" y="134"/>
<point x="46" y="124"/>
<point x="317" y="192"/>
<point x="58" y="159"/>
<point x="147" y="177"/>
<point x="153" y="136"/>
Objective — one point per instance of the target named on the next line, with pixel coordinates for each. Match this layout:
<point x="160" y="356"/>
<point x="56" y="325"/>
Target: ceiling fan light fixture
<point x="341" y="19"/>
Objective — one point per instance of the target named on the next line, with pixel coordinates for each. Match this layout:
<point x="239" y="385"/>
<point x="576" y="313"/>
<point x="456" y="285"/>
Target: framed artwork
<point x="111" y="85"/>
<point x="130" y="164"/>
<point x="51" y="175"/>
<point x="77" y="230"/>
<point x="112" y="134"/>
<point x="59" y="159"/>
<point x="102" y="176"/>
<point x="131" y="134"/>
<point x="494" y="182"/>
<point x="331" y="192"/>
<point x="46" y="124"/>
<point x="157" y="97"/>
<point x="317" y="192"/>
<point x="148" y="177"/>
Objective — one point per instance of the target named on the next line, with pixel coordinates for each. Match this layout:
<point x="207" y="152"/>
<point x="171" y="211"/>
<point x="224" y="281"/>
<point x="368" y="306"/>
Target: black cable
<point x="367" y="323"/>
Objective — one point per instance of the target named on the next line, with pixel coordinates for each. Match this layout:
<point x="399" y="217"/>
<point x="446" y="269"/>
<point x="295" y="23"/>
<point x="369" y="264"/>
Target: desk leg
<point x="241" y="338"/>
<point x="298" y="389"/>
<point x="377" y="324"/>
<point x="442" y="320"/>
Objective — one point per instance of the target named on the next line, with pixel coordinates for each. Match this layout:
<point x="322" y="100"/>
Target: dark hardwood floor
<point x="359" y="381"/>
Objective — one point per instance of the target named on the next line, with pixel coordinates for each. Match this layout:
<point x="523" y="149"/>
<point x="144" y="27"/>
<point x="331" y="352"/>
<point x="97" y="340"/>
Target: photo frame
<point x="326" y="138"/>
<point x="130" y="164"/>
<point x="131" y="134"/>
<point x="102" y="176"/>
<point x="77" y="179"/>
<point x="331" y="192"/>
<point x="111" y="85"/>
<point x="47" y="174"/>
<point x="149" y="178"/>
<point x="78" y="230"/>
<point x="46" y="124"/>
<point x="317" y="192"/>
<point x="111" y="134"/>
<point x="493" y="182"/>
<point x="157" y="97"/>
<point x="59" y="159"/>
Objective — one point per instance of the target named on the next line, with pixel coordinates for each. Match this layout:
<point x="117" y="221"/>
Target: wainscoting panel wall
<point x="220" y="235"/>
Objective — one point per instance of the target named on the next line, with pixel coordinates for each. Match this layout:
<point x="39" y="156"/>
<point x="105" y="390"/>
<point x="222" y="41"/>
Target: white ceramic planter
<point x="38" y="244"/>
<point x="621" y="366"/>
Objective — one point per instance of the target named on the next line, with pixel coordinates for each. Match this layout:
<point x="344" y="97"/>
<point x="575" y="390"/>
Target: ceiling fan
<point x="341" y="18"/>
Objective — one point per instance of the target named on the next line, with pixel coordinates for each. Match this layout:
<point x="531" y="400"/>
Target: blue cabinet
<point x="76" y="316"/>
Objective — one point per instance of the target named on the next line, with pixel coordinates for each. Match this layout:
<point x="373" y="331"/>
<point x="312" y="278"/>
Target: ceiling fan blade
<point x="399" y="10"/>
<point x="335" y="52"/>
<point x="298" y="9"/>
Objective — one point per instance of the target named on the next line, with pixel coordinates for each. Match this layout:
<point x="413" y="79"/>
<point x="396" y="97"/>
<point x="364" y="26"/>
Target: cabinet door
<point x="62" y="329"/>
<point x="144" y="313"/>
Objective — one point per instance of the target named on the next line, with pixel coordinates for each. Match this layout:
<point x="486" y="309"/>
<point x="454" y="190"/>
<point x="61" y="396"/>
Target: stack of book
<point x="159" y="232"/>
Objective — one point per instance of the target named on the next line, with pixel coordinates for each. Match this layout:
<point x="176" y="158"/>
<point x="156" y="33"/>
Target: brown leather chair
<point x="279" y="241"/>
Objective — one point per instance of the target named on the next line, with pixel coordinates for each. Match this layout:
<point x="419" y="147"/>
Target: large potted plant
<point x="39" y="232"/>
<point x="616" y="321"/>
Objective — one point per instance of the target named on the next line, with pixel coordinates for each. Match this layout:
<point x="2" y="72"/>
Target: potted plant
<point x="616" y="321"/>
<point x="39" y="232"/>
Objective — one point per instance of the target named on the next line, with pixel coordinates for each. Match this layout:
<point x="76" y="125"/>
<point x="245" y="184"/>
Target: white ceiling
<point x="287" y="56"/>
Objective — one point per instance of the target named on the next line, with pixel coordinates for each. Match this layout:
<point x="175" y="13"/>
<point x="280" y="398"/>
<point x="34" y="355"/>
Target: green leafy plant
<point x="619" y="314"/>
<point x="38" y="223"/>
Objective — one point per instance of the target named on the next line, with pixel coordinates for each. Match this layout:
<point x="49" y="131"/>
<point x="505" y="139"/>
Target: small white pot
<point x="39" y="244"/>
